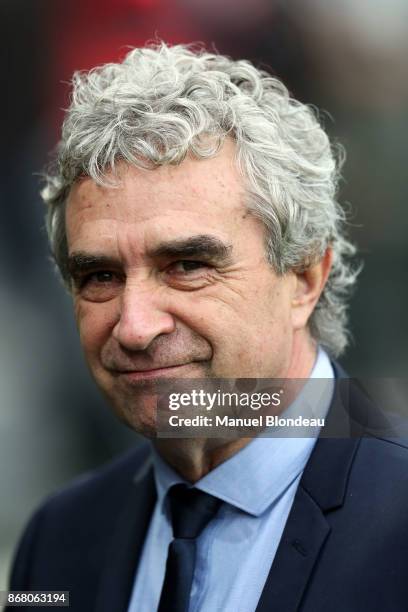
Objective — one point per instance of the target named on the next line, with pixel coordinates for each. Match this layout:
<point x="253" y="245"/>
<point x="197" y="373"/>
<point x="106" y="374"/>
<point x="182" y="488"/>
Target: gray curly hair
<point x="162" y="103"/>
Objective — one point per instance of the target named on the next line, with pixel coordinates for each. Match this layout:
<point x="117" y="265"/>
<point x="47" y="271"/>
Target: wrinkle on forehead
<point x="213" y="181"/>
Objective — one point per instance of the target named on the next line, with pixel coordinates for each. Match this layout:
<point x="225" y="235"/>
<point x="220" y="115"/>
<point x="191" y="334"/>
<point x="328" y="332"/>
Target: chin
<point x="139" y="414"/>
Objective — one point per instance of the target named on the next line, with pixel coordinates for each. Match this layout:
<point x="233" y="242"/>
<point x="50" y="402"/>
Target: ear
<point x="308" y="287"/>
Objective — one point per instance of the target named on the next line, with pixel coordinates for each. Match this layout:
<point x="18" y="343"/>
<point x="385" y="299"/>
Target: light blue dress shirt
<point x="236" y="550"/>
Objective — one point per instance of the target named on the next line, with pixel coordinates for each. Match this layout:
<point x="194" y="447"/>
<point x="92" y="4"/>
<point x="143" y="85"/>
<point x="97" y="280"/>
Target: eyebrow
<point x="204" y="246"/>
<point x="80" y="263"/>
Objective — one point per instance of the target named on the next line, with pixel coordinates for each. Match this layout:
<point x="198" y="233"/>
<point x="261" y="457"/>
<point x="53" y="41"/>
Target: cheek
<point x="95" y="322"/>
<point x="264" y="321"/>
<point x="202" y="314"/>
<point x="223" y="323"/>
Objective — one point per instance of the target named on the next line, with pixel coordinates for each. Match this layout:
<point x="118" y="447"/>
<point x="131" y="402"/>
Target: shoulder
<point x="376" y="497"/>
<point x="93" y="497"/>
<point x="77" y="521"/>
<point x="378" y="480"/>
<point x="384" y="459"/>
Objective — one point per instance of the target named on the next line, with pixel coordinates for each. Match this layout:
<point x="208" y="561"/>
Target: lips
<point x="161" y="367"/>
<point x="157" y="372"/>
<point x="145" y="370"/>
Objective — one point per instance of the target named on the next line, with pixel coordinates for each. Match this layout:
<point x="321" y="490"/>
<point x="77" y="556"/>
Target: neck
<point x="193" y="458"/>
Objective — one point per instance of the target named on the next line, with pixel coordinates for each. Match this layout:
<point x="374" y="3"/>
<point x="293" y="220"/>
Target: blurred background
<point x="348" y="57"/>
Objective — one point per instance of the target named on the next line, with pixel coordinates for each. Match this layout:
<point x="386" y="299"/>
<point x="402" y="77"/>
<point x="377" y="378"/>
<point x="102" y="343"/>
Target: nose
<point x="142" y="318"/>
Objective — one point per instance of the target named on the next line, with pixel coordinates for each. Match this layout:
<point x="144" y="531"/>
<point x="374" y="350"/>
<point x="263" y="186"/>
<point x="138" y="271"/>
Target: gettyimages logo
<point x="209" y="400"/>
<point x="239" y="408"/>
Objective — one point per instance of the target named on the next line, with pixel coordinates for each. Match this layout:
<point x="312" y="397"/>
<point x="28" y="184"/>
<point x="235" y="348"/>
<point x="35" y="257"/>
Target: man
<point x="192" y="215"/>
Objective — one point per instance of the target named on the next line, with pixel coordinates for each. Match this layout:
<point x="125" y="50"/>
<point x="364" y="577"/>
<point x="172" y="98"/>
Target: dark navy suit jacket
<point x="344" y="547"/>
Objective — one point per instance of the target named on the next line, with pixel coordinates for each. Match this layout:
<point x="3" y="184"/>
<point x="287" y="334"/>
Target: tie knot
<point x="191" y="510"/>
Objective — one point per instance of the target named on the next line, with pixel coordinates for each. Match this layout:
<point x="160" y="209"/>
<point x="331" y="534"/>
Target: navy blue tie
<point x="191" y="510"/>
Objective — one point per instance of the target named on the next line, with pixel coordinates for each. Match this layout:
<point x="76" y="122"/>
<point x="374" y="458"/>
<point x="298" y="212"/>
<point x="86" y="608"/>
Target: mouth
<point x="154" y="373"/>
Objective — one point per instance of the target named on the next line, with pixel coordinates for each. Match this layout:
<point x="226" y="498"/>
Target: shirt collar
<point x="256" y="476"/>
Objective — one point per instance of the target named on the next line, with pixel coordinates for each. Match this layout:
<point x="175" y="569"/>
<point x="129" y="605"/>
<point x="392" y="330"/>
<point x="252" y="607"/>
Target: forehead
<point x="173" y="199"/>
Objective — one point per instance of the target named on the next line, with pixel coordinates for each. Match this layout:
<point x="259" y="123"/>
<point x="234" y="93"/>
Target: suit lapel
<point x="303" y="537"/>
<point x="117" y="577"/>
<point x="322" y="489"/>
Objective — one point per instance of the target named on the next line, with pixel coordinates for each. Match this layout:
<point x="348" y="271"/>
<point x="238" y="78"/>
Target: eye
<point x="99" y="286"/>
<point x="95" y="278"/>
<point x="186" y="266"/>
<point x="189" y="275"/>
<point x="100" y="277"/>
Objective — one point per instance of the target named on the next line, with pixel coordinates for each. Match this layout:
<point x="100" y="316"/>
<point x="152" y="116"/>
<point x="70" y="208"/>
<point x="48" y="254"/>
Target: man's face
<point x="171" y="280"/>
